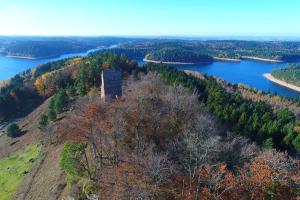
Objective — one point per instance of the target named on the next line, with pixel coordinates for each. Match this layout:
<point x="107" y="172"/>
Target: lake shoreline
<point x="227" y="59"/>
<point x="34" y="58"/>
<point x="281" y="82"/>
<point x="172" y="63"/>
<point x="53" y="56"/>
<point x="22" y="57"/>
<point x="216" y="59"/>
<point x="18" y="64"/>
<point x="261" y="59"/>
<point x="37" y="58"/>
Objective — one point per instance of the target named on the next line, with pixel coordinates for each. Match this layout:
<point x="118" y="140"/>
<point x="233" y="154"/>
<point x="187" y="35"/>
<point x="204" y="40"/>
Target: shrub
<point x="71" y="159"/>
<point x="51" y="114"/>
<point x="60" y="101"/>
<point x="13" y="130"/>
<point x="268" y="144"/>
<point x="43" y="121"/>
<point x="296" y="142"/>
<point x="71" y="91"/>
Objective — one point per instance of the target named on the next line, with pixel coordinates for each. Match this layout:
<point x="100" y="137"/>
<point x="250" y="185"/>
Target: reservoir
<point x="248" y="72"/>
<point x="10" y="66"/>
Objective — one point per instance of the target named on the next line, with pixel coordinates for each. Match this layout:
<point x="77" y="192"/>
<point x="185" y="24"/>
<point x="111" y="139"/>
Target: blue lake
<point x="246" y="72"/>
<point x="12" y="66"/>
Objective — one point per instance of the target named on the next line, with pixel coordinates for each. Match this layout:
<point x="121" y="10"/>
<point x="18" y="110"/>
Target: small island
<point x="287" y="77"/>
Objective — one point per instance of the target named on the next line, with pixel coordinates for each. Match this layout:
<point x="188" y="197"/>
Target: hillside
<point x="172" y="135"/>
<point x="21" y="155"/>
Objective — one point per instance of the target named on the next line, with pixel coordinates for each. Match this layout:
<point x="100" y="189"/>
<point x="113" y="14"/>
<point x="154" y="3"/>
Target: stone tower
<point x="111" y="84"/>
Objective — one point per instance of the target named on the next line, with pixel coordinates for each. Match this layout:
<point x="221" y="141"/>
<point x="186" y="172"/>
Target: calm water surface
<point x="247" y="72"/>
<point x="12" y="66"/>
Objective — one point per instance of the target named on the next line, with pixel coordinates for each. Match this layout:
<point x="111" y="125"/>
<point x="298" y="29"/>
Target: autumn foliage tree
<point x="157" y="141"/>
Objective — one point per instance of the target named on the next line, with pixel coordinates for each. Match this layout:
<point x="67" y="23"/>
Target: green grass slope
<point x="14" y="167"/>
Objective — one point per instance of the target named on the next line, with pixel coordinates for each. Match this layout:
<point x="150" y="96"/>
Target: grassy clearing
<point x="14" y="167"/>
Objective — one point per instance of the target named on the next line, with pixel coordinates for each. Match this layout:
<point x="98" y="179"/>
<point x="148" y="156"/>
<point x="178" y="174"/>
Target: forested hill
<point x="22" y="93"/>
<point x="291" y="74"/>
<point x="39" y="47"/>
<point x="80" y="75"/>
<point x="168" y="50"/>
<point x="278" y="51"/>
<point x="178" y="55"/>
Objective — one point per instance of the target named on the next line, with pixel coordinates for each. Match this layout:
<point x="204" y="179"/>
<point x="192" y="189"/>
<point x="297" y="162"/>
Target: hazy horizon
<point x="179" y="37"/>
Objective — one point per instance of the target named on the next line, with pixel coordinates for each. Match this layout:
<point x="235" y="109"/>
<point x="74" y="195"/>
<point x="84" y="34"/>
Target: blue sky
<point x="151" y="17"/>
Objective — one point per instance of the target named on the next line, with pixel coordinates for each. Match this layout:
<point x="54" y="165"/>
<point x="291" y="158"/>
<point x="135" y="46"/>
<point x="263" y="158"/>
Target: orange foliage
<point x="105" y="65"/>
<point x="95" y="121"/>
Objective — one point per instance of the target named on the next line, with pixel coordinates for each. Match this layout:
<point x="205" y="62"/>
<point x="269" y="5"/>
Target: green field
<point x="14" y="167"/>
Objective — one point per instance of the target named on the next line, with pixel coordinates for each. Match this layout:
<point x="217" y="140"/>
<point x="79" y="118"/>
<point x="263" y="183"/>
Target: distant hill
<point x="236" y="49"/>
<point x="163" y="49"/>
<point x="39" y="47"/>
<point x="178" y="55"/>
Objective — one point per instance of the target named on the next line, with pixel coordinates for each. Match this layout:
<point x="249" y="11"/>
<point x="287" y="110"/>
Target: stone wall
<point x="111" y="84"/>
